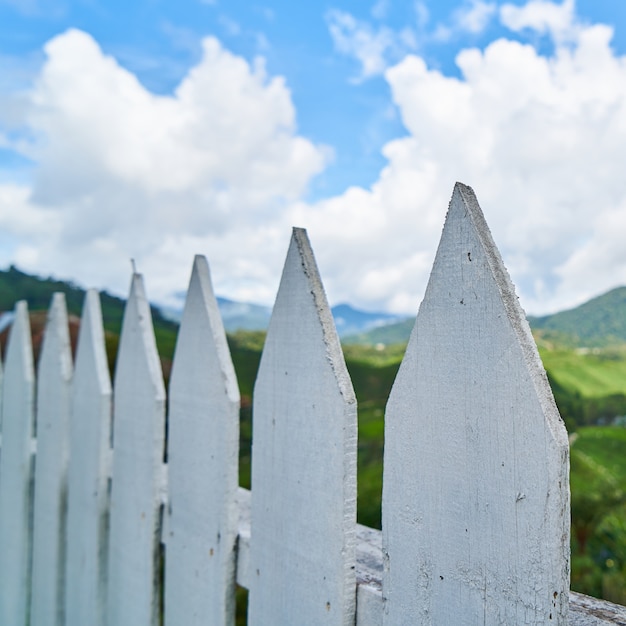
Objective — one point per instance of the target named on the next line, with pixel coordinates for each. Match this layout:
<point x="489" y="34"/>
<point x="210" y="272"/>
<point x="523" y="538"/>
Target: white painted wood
<point x="475" y="490"/>
<point x="303" y="460"/>
<point x="138" y="440"/>
<point x="16" y="472"/>
<point x="90" y="442"/>
<point x="54" y="377"/>
<point x="244" y="568"/>
<point x="584" y="611"/>
<point x="203" y="448"/>
<point x="1" y="394"/>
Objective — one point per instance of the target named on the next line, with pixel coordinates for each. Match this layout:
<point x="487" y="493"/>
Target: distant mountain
<point x="243" y="315"/>
<point x="600" y="322"/>
<point x="17" y="285"/>
<point x="597" y="323"/>
<point x="248" y="316"/>
<point x="350" y="321"/>
<point x="397" y="332"/>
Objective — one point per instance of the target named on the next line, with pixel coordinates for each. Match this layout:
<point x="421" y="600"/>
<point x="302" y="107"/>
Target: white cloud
<point x="380" y="9"/>
<point x="125" y="173"/>
<point x="219" y="168"/>
<point x="474" y="16"/>
<point x="422" y="14"/>
<point x="541" y="139"/>
<point x="542" y="16"/>
<point x="375" y="48"/>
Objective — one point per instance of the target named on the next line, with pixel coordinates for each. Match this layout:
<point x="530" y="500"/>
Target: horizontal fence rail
<point x="123" y="509"/>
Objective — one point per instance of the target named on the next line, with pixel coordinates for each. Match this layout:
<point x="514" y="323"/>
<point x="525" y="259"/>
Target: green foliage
<point x="592" y="374"/>
<point x="389" y="334"/>
<point x="598" y="486"/>
<point x="599" y="322"/>
<point x="16" y="285"/>
<point x="589" y="387"/>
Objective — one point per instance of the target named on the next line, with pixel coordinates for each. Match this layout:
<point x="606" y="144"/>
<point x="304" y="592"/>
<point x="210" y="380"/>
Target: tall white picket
<point x="1" y="379"/>
<point x="88" y="472"/>
<point x="138" y="441"/>
<point x="54" y="378"/>
<point x="203" y="445"/>
<point x="303" y="460"/>
<point x="16" y="472"/>
<point x="475" y="492"/>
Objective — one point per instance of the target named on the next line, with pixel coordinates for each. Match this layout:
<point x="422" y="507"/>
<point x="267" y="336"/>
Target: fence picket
<point x="1" y="400"/>
<point x="303" y="460"/>
<point x="475" y="491"/>
<point x="203" y="444"/>
<point x="16" y="472"/>
<point x="138" y="441"/>
<point x="90" y="442"/>
<point x="54" y="377"/>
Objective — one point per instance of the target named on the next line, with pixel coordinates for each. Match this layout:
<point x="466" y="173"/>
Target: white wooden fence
<point x="475" y="496"/>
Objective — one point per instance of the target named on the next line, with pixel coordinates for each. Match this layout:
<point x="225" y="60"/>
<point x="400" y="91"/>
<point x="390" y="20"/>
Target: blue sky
<point x="156" y="130"/>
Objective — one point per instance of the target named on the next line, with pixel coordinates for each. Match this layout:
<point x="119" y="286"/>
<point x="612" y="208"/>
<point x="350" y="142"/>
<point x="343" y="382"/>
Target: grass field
<point x="593" y="374"/>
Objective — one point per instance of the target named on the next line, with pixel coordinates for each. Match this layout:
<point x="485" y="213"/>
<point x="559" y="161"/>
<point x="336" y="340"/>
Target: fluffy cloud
<point x="219" y="168"/>
<point x="542" y="17"/>
<point x="123" y="173"/>
<point x="475" y="16"/>
<point x="373" y="47"/>
<point x="541" y="139"/>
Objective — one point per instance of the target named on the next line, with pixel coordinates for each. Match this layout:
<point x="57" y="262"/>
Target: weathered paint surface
<point x="16" y="472"/>
<point x="138" y="440"/>
<point x="303" y="460"/>
<point x="88" y="472"/>
<point x="475" y="493"/>
<point x="54" y="378"/>
<point x="584" y="611"/>
<point x="203" y="447"/>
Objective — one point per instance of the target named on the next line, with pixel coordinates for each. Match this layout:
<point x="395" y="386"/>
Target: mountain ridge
<point x="598" y="323"/>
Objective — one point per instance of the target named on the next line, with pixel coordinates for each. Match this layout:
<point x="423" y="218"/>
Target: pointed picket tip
<point x="18" y="425"/>
<point x="300" y="256"/>
<point x="88" y="472"/>
<point x="137" y="477"/>
<point x="137" y="339"/>
<point x="19" y="352"/>
<point x="53" y="410"/>
<point x="203" y="442"/>
<point x="464" y="198"/>
<point x="91" y="357"/>
<point x="475" y="488"/>
<point x="202" y="312"/>
<point x="303" y="459"/>
<point x="56" y="352"/>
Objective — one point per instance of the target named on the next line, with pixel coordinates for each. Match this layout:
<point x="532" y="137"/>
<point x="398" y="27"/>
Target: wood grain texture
<point x="303" y="460"/>
<point x="54" y="380"/>
<point x="16" y="472"/>
<point x="475" y="490"/>
<point x="136" y="495"/>
<point x="88" y="473"/>
<point x="203" y="458"/>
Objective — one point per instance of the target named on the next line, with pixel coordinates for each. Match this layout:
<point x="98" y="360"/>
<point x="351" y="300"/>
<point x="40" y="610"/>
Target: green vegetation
<point x="588" y="381"/>
<point x="600" y="322"/>
<point x="598" y="484"/>
<point x="589" y="385"/>
<point x="16" y="285"/>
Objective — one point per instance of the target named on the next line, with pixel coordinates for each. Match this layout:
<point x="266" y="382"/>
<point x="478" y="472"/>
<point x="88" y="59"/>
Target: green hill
<point x="600" y="322"/>
<point x="389" y="334"/>
<point x="589" y="385"/>
<point x="16" y="285"/>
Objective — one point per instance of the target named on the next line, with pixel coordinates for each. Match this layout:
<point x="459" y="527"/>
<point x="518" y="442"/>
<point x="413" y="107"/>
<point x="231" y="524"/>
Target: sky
<point x="154" y="130"/>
